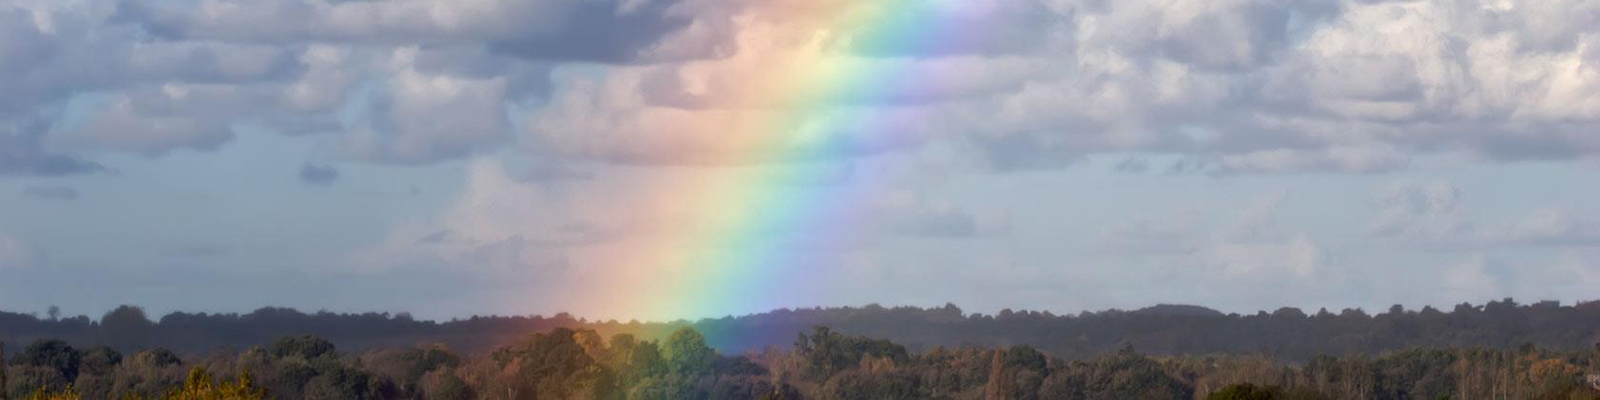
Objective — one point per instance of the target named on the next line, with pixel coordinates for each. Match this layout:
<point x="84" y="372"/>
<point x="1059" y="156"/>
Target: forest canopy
<point x="1287" y="334"/>
<point x="565" y="363"/>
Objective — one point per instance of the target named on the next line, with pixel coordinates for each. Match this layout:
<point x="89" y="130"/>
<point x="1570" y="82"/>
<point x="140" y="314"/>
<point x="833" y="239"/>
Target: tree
<point x="551" y="365"/>
<point x="1246" y="391"/>
<point x="156" y="358"/>
<point x="307" y="347"/>
<point x="52" y="354"/>
<point x="828" y="352"/>
<point x="126" y="328"/>
<point x="201" y="386"/>
<point x="445" y="385"/>
<point x="100" y="360"/>
<point x="687" y="352"/>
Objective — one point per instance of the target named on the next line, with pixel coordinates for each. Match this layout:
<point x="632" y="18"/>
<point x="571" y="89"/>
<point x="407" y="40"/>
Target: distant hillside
<point x="1178" y="310"/>
<point x="1288" y="333"/>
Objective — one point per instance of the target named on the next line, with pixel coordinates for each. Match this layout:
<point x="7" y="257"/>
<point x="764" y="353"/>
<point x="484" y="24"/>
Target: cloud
<point x="1249" y="243"/>
<point x="553" y="171"/>
<point x="562" y="30"/>
<point x="1132" y="164"/>
<point x="57" y="193"/>
<point x="1478" y="278"/>
<point x="902" y="213"/>
<point x="1274" y="87"/>
<point x="14" y="254"/>
<point x="938" y="224"/>
<point x="1165" y="236"/>
<point x="1425" y="210"/>
<point x="498" y="224"/>
<point x="133" y="125"/>
<point x="199" y="250"/>
<point x="421" y="117"/>
<point x="436" y="237"/>
<point x="22" y="153"/>
<point x="1552" y="227"/>
<point x="1482" y="277"/>
<point x="318" y="174"/>
<point x="1429" y="213"/>
<point x="1360" y="159"/>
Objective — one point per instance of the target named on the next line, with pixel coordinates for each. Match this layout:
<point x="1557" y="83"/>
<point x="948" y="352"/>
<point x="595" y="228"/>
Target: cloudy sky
<point x="459" y="157"/>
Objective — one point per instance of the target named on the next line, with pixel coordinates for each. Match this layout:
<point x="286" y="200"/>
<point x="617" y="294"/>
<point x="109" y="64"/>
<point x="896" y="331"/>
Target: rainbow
<point x="752" y="235"/>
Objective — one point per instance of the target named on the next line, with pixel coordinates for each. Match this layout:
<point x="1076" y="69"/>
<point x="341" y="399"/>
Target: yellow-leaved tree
<point x="201" y="386"/>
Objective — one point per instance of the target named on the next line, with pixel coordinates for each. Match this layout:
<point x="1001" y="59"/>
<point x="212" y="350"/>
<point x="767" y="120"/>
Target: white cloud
<point x="1274" y="87"/>
<point x="1430" y="214"/>
<point x="1427" y="210"/>
<point x="142" y="126"/>
<point x="14" y="254"/>
<point x="1549" y="227"/>
<point x="1249" y="243"/>
<point x="423" y="117"/>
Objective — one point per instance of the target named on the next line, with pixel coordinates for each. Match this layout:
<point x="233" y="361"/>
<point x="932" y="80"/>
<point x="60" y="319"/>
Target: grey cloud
<point x="476" y="61"/>
<point x="421" y="118"/>
<point x="160" y="95"/>
<point x="318" y="174"/>
<point x="1430" y="214"/>
<point x="1149" y="237"/>
<point x="57" y="193"/>
<point x="947" y="224"/>
<point x="513" y="253"/>
<point x="1248" y="244"/>
<point x="1551" y="227"/>
<point x="23" y="154"/>
<point x="17" y="255"/>
<point x="1424" y="210"/>
<point x="1014" y="152"/>
<point x="435" y="238"/>
<point x="1366" y="159"/>
<point x="553" y="171"/>
<point x="561" y="30"/>
<point x="1144" y="237"/>
<point x="199" y="250"/>
<point x="1271" y="87"/>
<point x="985" y="28"/>
<point x="141" y="125"/>
<point x="602" y="31"/>
<point x="914" y="217"/>
<point x="1132" y="164"/>
<point x="30" y="162"/>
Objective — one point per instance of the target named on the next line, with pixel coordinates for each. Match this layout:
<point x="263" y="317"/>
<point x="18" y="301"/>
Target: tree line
<point x="820" y="363"/>
<point x="1287" y="334"/>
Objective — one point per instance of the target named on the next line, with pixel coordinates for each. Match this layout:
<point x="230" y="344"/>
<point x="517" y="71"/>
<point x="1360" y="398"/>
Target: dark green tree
<point x="51" y="354"/>
<point x="126" y="328"/>
<point x="1246" y="391"/>
<point x="306" y="347"/>
<point x="688" y="354"/>
<point x="100" y="360"/>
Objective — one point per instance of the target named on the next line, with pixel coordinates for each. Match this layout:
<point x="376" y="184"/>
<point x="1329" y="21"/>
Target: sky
<point x="661" y="159"/>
